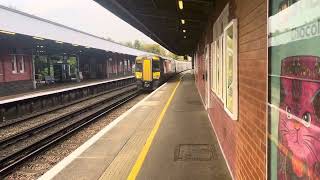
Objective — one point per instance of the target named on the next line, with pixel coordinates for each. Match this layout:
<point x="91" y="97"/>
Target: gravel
<point x="42" y="163"/>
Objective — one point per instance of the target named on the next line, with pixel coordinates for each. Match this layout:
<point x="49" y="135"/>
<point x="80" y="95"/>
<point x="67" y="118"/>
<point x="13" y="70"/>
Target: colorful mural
<point x="294" y="89"/>
<point x="299" y="124"/>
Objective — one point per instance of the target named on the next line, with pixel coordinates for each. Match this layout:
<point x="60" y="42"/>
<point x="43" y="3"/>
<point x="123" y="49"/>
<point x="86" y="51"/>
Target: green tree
<point x="129" y="44"/>
<point x="137" y="44"/>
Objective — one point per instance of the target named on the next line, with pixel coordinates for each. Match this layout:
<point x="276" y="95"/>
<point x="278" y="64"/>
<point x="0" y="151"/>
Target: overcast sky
<point x="85" y="15"/>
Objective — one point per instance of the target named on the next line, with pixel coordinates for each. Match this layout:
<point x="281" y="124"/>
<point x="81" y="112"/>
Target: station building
<point x="36" y="53"/>
<point x="256" y="66"/>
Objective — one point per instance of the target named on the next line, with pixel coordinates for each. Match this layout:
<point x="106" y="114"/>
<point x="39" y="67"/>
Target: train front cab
<point x="148" y="72"/>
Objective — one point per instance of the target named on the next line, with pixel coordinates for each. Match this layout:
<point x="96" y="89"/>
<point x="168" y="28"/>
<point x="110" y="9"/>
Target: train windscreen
<point x="156" y="66"/>
<point x="138" y="67"/>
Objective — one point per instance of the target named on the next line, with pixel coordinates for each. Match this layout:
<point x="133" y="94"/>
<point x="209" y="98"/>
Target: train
<point x="152" y="71"/>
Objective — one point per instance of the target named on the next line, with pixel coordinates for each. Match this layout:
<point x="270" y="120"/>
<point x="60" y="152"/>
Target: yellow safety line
<point x="142" y="156"/>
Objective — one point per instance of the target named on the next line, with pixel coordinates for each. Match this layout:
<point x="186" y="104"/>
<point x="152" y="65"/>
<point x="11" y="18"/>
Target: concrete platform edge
<point x="67" y="160"/>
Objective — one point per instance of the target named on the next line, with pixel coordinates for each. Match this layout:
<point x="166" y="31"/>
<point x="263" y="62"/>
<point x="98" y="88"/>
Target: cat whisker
<point x="311" y="150"/>
<point x="284" y="123"/>
<point x="314" y="138"/>
<point x="284" y="130"/>
<point x="285" y="133"/>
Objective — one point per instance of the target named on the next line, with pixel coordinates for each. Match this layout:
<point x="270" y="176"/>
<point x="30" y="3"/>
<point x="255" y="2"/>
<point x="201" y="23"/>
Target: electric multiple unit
<point x="152" y="71"/>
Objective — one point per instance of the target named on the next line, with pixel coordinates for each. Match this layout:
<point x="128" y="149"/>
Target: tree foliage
<point x="152" y="48"/>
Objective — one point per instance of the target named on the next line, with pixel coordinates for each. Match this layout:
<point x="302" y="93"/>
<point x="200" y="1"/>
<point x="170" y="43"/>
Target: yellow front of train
<point x="148" y="72"/>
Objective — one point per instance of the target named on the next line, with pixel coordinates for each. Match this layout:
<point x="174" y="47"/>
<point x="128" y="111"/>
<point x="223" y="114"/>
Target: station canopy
<point x="25" y="29"/>
<point x="175" y="24"/>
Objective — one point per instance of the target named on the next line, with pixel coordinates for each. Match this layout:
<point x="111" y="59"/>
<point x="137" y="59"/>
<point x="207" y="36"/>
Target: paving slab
<point x="184" y="147"/>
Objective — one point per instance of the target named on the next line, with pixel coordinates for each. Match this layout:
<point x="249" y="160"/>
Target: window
<point x="125" y="65"/>
<point x="14" y="64"/>
<point x="222" y="70"/>
<point x="129" y="65"/>
<point x="155" y="66"/>
<point x="21" y="64"/>
<point x="213" y="67"/>
<point x="138" y="67"/>
<point x="219" y="67"/>
<point x="231" y="70"/>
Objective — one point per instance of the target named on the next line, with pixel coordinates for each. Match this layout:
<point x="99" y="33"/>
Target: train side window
<point x="138" y="67"/>
<point x="156" y="66"/>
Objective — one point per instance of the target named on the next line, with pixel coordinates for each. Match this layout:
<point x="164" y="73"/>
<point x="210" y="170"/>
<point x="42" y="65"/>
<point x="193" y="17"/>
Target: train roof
<point x="155" y="55"/>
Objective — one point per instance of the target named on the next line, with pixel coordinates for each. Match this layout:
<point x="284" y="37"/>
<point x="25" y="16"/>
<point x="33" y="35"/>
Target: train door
<point x="146" y="70"/>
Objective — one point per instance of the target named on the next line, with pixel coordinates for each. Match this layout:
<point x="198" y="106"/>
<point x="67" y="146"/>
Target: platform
<point x="55" y="89"/>
<point x="166" y="136"/>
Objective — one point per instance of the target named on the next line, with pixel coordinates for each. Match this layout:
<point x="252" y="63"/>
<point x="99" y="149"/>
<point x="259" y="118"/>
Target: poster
<point x="229" y="41"/>
<point x="294" y="89"/>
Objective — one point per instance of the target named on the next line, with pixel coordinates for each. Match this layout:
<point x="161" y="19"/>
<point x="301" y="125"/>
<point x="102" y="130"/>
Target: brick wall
<point x="7" y="69"/>
<point x="243" y="141"/>
<point x="251" y="149"/>
<point x="14" y="82"/>
<point x="1" y="71"/>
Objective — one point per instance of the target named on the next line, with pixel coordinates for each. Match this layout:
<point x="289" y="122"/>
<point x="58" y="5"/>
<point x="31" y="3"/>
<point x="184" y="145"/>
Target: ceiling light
<point x="59" y="42"/>
<point x="39" y="38"/>
<point x="7" y="32"/>
<point x="181" y="5"/>
<point x="183" y="21"/>
<point x="185" y="37"/>
<point x="184" y="30"/>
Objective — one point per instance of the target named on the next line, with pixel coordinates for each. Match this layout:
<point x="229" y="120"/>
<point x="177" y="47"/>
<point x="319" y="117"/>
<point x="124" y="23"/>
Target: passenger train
<point x="152" y="71"/>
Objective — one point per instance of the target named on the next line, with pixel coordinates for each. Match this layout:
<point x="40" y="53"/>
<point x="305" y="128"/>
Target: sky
<point x="84" y="15"/>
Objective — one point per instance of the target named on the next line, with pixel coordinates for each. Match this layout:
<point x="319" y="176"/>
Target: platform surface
<point x="184" y="145"/>
<point x="55" y="89"/>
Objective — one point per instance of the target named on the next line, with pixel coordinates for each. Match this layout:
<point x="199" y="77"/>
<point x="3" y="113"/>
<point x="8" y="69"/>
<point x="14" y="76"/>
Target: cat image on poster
<point x="299" y="121"/>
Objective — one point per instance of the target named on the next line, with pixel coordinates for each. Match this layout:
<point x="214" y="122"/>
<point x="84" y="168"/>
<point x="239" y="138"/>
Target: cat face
<point x="299" y="123"/>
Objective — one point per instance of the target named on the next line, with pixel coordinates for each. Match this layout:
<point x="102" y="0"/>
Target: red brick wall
<point x="10" y="76"/>
<point x="251" y="149"/>
<point x="244" y="141"/>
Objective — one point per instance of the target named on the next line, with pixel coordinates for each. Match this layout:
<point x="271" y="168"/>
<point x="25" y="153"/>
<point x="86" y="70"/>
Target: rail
<point x="46" y="135"/>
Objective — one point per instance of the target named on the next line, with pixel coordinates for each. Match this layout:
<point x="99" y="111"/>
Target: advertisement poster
<point x="294" y="89"/>
<point x="229" y="60"/>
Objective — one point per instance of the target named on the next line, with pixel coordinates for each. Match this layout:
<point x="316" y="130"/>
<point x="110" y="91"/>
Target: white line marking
<point x="67" y="160"/>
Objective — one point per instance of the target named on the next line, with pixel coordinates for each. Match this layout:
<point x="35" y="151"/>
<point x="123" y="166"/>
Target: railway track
<point x="16" y="149"/>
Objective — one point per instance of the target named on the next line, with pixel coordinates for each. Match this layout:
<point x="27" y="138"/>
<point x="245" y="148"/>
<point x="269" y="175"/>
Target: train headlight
<point x="138" y="75"/>
<point x="156" y="75"/>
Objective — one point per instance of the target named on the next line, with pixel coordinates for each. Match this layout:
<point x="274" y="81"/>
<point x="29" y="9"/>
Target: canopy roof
<point x="26" y="24"/>
<point x="161" y="20"/>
